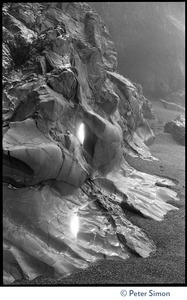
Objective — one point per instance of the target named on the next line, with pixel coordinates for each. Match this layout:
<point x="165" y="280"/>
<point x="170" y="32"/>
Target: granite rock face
<point x="69" y="119"/>
<point x="177" y="129"/>
<point x="150" y="41"/>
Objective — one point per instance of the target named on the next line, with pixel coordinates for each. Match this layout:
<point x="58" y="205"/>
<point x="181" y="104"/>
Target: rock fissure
<point x="71" y="193"/>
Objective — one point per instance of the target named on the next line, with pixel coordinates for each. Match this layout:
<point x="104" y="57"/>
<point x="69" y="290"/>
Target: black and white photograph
<point x="93" y="138"/>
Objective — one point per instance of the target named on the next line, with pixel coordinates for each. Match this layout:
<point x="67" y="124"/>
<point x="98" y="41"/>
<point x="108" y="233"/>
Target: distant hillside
<point x="150" y="42"/>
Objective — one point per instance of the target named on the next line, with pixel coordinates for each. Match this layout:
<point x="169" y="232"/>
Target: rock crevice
<point x="65" y="79"/>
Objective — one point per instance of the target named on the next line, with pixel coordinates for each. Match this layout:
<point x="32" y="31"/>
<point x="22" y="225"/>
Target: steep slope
<point x="65" y="193"/>
<point x="150" y="41"/>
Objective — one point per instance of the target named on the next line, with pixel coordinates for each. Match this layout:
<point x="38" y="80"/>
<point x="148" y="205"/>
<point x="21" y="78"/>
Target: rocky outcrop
<point x="172" y="106"/>
<point x="177" y="98"/>
<point x="147" y="110"/>
<point x="177" y="129"/>
<point x="150" y="41"/>
<point x="69" y="119"/>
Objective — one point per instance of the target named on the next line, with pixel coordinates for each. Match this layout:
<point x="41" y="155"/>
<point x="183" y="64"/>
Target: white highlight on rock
<point x="81" y="133"/>
<point x="74" y="225"/>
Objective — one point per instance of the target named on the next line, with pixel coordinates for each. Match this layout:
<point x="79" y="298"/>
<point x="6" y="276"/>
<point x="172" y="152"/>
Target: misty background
<point x="150" y="42"/>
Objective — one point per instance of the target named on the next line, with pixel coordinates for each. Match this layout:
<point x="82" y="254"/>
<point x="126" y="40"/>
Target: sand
<point x="167" y="265"/>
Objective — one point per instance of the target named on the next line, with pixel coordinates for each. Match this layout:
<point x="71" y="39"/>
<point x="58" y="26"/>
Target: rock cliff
<point x="150" y="41"/>
<point x="69" y="119"/>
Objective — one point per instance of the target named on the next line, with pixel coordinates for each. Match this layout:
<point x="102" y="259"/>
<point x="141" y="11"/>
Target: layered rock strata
<point x="65" y="194"/>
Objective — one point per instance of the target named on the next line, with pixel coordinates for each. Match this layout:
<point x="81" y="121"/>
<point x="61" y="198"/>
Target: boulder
<point x="177" y="129"/>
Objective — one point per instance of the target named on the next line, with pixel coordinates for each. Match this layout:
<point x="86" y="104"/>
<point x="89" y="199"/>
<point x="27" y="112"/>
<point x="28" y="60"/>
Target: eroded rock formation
<point x="64" y="195"/>
<point x="172" y="106"/>
<point x="150" y="41"/>
<point x="177" y="129"/>
<point x="177" y="98"/>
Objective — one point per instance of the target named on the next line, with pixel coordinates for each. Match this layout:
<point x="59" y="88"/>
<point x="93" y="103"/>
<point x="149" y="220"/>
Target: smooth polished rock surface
<point x="59" y="76"/>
